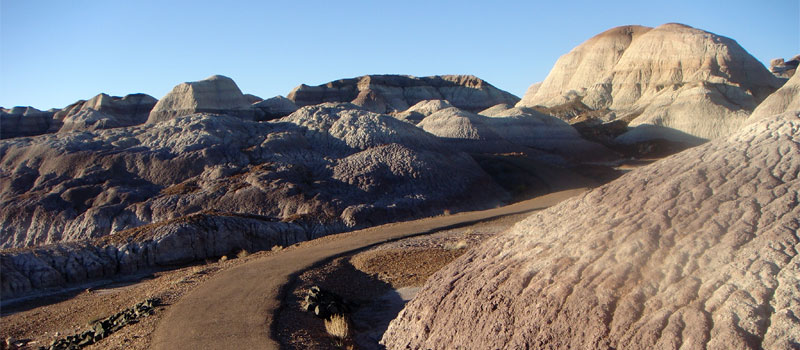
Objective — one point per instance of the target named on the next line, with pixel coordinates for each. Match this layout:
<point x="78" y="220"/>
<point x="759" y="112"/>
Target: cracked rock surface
<point x="699" y="250"/>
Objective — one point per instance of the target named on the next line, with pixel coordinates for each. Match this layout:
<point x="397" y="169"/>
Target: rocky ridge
<point x="698" y="250"/>
<point x="680" y="83"/>
<point x="396" y="93"/>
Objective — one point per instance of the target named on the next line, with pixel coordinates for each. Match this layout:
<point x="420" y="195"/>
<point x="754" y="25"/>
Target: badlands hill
<point x="396" y="93"/>
<point x="677" y="82"/>
<point x="698" y="250"/>
<point x="94" y="200"/>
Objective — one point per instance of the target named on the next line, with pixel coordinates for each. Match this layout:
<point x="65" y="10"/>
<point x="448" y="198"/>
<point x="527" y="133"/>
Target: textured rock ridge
<point x="215" y="94"/>
<point x="395" y="93"/>
<point x="670" y="77"/>
<point x="699" y="250"/>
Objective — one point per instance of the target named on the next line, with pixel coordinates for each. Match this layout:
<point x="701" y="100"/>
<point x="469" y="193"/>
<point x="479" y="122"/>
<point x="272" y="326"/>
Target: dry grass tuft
<point x="223" y="258"/>
<point x="276" y="248"/>
<point x="456" y="245"/>
<point x="242" y="253"/>
<point x="338" y="326"/>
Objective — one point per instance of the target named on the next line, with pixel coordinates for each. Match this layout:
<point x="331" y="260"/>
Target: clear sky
<point x="53" y="53"/>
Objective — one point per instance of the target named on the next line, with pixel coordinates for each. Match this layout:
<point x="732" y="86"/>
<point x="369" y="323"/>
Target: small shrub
<point x="338" y="326"/>
<point x="276" y="248"/>
<point x="242" y="253"/>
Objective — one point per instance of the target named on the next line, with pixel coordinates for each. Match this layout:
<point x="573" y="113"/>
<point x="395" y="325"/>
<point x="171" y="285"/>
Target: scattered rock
<point x="104" y="327"/>
<point x="324" y="304"/>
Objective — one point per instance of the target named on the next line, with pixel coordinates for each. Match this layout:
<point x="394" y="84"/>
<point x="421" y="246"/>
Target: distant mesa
<point x="673" y="76"/>
<point x="695" y="251"/>
<point x="395" y="93"/>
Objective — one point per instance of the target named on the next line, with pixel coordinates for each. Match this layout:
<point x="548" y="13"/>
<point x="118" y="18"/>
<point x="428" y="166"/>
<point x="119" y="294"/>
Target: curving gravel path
<point x="234" y="310"/>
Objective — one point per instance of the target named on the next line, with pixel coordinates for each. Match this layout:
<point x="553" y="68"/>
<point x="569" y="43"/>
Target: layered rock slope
<point x="215" y="94"/>
<point x="699" y="250"/>
<point x="394" y="93"/>
<point x="670" y="77"/>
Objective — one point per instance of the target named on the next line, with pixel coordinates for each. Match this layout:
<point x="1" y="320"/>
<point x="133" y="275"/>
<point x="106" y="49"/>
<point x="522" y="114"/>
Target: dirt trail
<point x="235" y="309"/>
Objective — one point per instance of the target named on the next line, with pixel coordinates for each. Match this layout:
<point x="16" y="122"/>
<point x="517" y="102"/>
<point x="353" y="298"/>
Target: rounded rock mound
<point x="683" y="81"/>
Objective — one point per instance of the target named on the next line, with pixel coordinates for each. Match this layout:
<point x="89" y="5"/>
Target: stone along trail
<point x="235" y="309"/>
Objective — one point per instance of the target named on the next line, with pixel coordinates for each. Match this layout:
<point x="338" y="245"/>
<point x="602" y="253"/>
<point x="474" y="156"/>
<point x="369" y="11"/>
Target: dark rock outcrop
<point x="24" y="121"/>
<point x="395" y="93"/>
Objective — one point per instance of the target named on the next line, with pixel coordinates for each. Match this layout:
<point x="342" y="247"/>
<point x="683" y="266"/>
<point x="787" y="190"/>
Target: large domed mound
<point x="672" y="77"/>
<point x="395" y="93"/>
<point x="699" y="250"/>
<point x="215" y="94"/>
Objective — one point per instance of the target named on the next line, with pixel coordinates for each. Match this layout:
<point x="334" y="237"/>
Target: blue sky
<point x="53" y="53"/>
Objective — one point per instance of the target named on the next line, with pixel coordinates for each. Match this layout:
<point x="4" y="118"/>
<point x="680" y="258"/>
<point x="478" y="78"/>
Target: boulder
<point x="396" y="93"/>
<point x="216" y="94"/>
<point x="694" y="251"/>
<point x="674" y="76"/>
